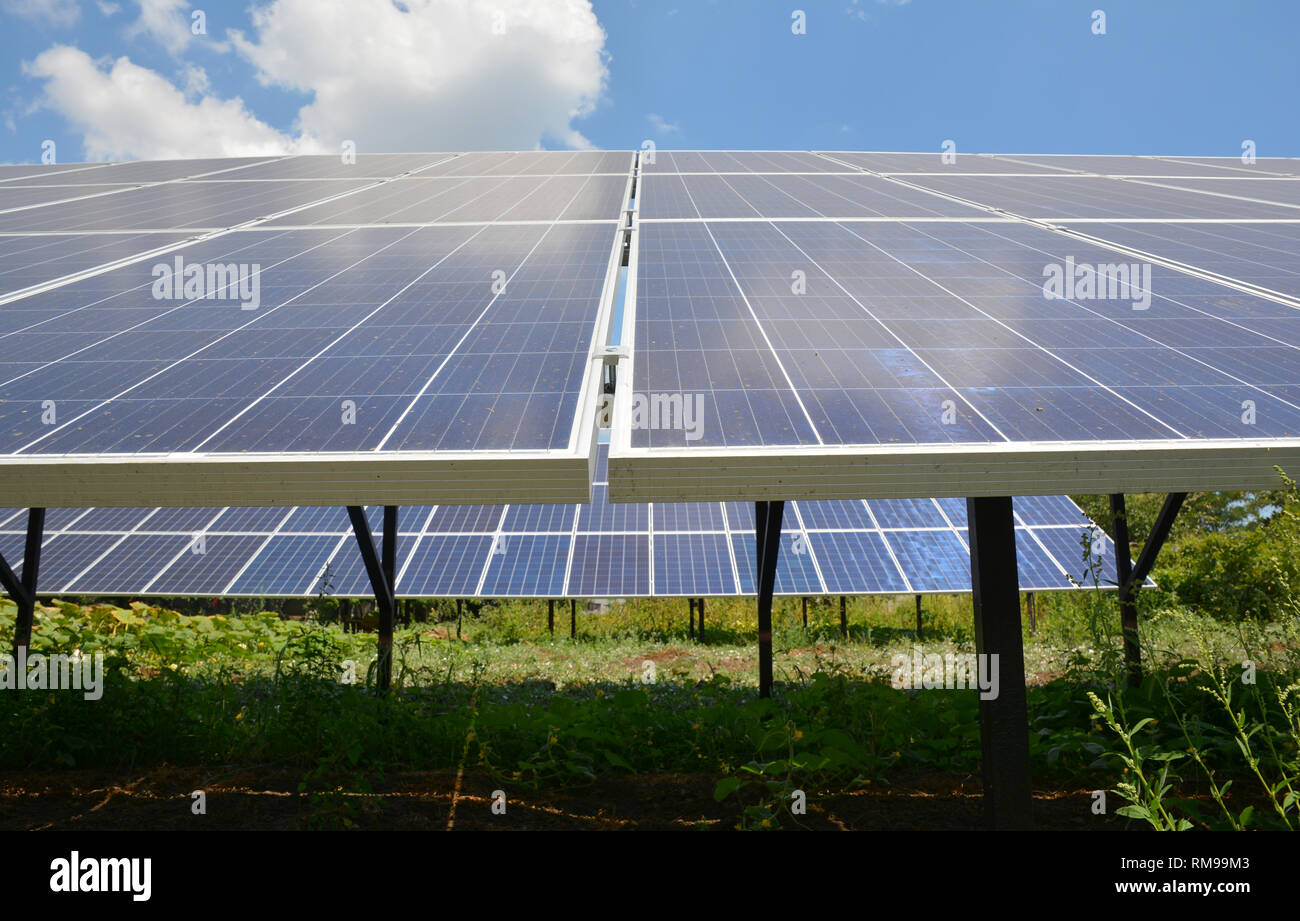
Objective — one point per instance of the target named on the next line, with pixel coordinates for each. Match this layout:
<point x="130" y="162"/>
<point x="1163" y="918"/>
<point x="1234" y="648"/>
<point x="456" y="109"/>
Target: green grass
<point x="511" y="700"/>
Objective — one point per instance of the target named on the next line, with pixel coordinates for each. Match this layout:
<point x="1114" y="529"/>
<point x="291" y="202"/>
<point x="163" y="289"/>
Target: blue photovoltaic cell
<point x="190" y="520"/>
<point x="955" y="510"/>
<point x="259" y="520"/>
<point x="1049" y="510"/>
<point x="445" y="565"/>
<point x="835" y="515"/>
<point x="687" y="516"/>
<point x="849" y="561"/>
<point x="740" y="516"/>
<point x="209" y="571"/>
<point x="795" y="573"/>
<point x="462" y="518"/>
<point x="287" y="566"/>
<point x="110" y="519"/>
<point x="937" y="162"/>
<point x="1063" y="197"/>
<point x="327" y="519"/>
<point x="935" y="561"/>
<point x="907" y="513"/>
<point x="37" y="259"/>
<point x="1034" y="568"/>
<point x="1066" y="545"/>
<point x="532" y="566"/>
<point x="685" y="197"/>
<point x="1267" y="255"/>
<point x="132" y="563"/>
<point x="191" y="205"/>
<point x="539" y="518"/>
<point x="609" y="564"/>
<point x="66" y="555"/>
<point x="347" y="570"/>
<point x="693" y="564"/>
<point x="603" y="515"/>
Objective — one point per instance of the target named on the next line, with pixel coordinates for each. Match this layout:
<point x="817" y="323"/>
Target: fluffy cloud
<point x="433" y="74"/>
<point x="52" y="12"/>
<point x="390" y="75"/>
<point x="125" y="111"/>
<point x="166" y="21"/>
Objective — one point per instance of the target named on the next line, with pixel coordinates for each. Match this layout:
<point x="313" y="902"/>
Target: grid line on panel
<point x="955" y="391"/>
<point x="763" y="332"/>
<point x="67" y="586"/>
<point x="258" y="552"/>
<point x="303" y="364"/>
<point x="172" y="562"/>
<point x="902" y="571"/>
<point x="1162" y="344"/>
<point x="101" y="403"/>
<point x="809" y="548"/>
<point x="429" y="382"/>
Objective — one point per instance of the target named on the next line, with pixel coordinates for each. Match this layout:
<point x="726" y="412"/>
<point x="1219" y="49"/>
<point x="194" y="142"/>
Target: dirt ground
<point x="263" y="798"/>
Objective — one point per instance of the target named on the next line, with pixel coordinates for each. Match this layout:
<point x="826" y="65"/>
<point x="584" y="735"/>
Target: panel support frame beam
<point x="380" y="567"/>
<point x="1130" y="576"/>
<point x="767" y="533"/>
<point x="1004" y="716"/>
<point x="22" y="591"/>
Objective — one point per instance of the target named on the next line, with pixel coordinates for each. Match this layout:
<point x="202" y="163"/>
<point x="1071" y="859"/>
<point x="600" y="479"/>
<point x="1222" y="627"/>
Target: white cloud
<point x="108" y="9"/>
<point x="436" y="74"/>
<point x="425" y="75"/>
<point x="662" y="126"/>
<point x="126" y="112"/>
<point x="51" y="12"/>
<point x="165" y="21"/>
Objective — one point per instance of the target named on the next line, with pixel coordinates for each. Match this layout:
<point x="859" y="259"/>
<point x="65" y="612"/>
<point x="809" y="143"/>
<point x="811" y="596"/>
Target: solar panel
<point x="188" y="205"/>
<point x="677" y="197"/>
<point x="1274" y="191"/>
<point x="1281" y="166"/>
<point x="342" y="348"/>
<point x="1267" y="255"/>
<point x="736" y="161"/>
<point x="823" y="357"/>
<point x="1095" y="197"/>
<point x="938" y="163"/>
<point x="30" y="260"/>
<point x="1131" y="166"/>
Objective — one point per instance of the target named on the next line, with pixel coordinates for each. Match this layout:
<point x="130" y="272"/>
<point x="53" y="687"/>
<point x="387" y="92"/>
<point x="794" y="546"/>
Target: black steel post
<point x="918" y="617"/>
<point x="459" y="610"/>
<point x="23" y="590"/>
<point x="699" y="606"/>
<point x="1004" y="718"/>
<point x="767" y="534"/>
<point x="805" y="612"/>
<point x="573" y="618"/>
<point x="844" y="618"/>
<point x="1129" y="576"/>
<point x="550" y="616"/>
<point x="377" y="571"/>
<point x="1032" y="611"/>
<point x="1128" y="618"/>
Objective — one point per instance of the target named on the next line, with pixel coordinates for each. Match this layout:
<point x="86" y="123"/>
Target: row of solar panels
<point x="794" y="335"/>
<point x="694" y="549"/>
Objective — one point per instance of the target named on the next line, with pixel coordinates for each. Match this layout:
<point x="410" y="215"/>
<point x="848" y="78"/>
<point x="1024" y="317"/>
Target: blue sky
<point x="130" y="79"/>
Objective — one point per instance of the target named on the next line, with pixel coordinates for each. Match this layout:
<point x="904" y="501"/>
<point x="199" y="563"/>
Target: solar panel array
<point x="859" y="329"/>
<point x="553" y="551"/>
<point x="890" y="329"/>
<point x="446" y="308"/>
